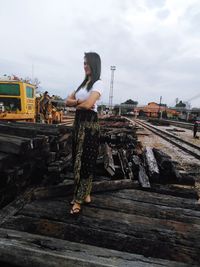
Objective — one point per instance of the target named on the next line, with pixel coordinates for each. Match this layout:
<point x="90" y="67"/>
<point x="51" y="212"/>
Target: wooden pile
<point x="122" y="156"/>
<point x="29" y="152"/>
<point x="114" y="121"/>
<point x="138" y="216"/>
<point x="33" y="153"/>
<point x="158" y="122"/>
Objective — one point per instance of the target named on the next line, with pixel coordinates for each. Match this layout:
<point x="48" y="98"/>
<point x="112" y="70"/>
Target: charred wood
<point x="151" y="163"/>
<point x="168" y="171"/>
<point x="36" y="250"/>
<point x="108" y="160"/>
<point x="151" y="236"/>
<point x="139" y="171"/>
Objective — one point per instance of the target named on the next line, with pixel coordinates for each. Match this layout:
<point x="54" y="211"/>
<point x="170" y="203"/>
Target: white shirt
<point x="83" y="94"/>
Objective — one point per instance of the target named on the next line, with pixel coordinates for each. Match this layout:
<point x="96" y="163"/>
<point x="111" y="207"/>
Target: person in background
<point x="44" y="104"/>
<point x="86" y="132"/>
<point x="195" y="129"/>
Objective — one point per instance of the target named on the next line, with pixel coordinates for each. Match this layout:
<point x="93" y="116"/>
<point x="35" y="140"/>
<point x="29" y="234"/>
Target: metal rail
<point x="177" y="141"/>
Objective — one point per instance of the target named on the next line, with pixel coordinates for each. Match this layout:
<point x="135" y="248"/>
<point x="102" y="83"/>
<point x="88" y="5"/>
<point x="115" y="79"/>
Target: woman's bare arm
<point x="71" y="100"/>
<point x="89" y="102"/>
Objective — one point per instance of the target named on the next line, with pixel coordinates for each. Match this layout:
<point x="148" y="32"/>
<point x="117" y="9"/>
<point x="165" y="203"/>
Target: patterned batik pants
<point x="85" y="147"/>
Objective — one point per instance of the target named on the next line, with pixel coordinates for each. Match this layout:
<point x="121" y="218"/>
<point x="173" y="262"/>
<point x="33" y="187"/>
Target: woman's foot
<point x="76" y="209"/>
<point x="87" y="199"/>
<point x="72" y="202"/>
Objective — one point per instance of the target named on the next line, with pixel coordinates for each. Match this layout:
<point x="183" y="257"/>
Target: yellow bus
<point x="17" y="101"/>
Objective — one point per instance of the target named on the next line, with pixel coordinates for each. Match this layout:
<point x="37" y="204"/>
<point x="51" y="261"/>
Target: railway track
<point x="177" y="141"/>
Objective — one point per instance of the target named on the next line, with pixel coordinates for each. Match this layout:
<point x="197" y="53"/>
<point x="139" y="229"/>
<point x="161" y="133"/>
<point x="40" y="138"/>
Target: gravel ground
<point x="185" y="134"/>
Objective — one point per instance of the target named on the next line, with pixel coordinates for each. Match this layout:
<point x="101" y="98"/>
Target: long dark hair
<point x="94" y="61"/>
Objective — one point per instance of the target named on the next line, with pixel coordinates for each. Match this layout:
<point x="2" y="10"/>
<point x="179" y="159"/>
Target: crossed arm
<point x="82" y="104"/>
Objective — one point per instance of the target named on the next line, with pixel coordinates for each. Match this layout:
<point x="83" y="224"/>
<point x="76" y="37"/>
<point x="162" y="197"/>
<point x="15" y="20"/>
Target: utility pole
<point x="112" y="68"/>
<point x="159" y="108"/>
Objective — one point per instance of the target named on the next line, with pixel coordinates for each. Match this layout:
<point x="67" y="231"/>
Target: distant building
<point x="155" y="110"/>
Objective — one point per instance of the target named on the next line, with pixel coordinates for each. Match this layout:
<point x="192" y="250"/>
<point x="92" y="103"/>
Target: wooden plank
<point x="103" y="186"/>
<point x="15" y="144"/>
<point x="139" y="171"/>
<point x="125" y="164"/>
<point x="12" y="208"/>
<point x="24" y="249"/>
<point x="67" y="188"/>
<point x="151" y="163"/>
<point x="143" y="178"/>
<point x="19" y="131"/>
<point x="168" y="171"/>
<point x="38" y="128"/>
<point x="114" y="230"/>
<point x="174" y="190"/>
<point x="156" y="199"/>
<point x="110" y="201"/>
<point x="117" y="221"/>
<point x="6" y="159"/>
<point x="108" y="159"/>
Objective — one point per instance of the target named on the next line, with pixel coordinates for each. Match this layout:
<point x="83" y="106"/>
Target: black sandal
<point x="75" y="211"/>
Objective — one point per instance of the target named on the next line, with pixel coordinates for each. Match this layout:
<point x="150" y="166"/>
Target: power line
<point x="192" y="98"/>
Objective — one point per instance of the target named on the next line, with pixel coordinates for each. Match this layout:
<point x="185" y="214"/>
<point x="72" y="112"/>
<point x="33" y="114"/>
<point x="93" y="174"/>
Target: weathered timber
<point x="143" y="178"/>
<point x="15" y="144"/>
<point x="135" y="160"/>
<point x="152" y="166"/>
<point x="139" y="171"/>
<point x="137" y="221"/>
<point x="121" y="164"/>
<point x="103" y="186"/>
<point x="64" y="137"/>
<point x="125" y="164"/>
<point x="5" y="158"/>
<point x="175" y="190"/>
<point x="183" y="233"/>
<point x="108" y="159"/>
<point x="26" y="249"/>
<point x="137" y="164"/>
<point x="59" y="165"/>
<point x="111" y="201"/>
<point x="159" y="122"/>
<point x="126" y="232"/>
<point x="186" y="180"/>
<point x="156" y="199"/>
<point x="31" y="157"/>
<point x="11" y="129"/>
<point x="106" y="185"/>
<point x="13" y="207"/>
<point x="168" y="171"/>
<point x="40" y="128"/>
<point x="66" y="189"/>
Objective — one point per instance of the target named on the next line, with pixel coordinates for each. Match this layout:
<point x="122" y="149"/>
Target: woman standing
<point x="86" y="133"/>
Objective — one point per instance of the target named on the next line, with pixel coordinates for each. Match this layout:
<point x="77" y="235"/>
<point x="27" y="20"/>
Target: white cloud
<point x="154" y="45"/>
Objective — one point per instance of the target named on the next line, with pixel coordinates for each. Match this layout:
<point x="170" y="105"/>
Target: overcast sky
<point x="154" y="44"/>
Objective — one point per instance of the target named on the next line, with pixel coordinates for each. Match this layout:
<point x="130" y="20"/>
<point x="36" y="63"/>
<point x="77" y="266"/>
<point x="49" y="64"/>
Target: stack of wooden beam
<point x="123" y="157"/>
<point x="28" y="153"/>
<point x="32" y="153"/>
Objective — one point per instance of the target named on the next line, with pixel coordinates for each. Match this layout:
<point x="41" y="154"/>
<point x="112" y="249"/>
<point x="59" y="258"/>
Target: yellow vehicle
<point x="17" y="101"/>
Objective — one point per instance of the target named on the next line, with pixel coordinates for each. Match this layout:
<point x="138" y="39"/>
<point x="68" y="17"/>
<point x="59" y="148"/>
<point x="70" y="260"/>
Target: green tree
<point x="180" y="105"/>
<point x="127" y="109"/>
<point x="130" y="102"/>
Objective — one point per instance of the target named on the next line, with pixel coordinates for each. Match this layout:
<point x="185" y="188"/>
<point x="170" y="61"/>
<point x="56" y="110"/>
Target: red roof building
<point x="153" y="110"/>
